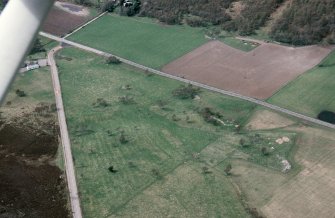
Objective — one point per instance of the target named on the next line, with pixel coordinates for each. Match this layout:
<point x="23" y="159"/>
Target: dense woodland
<point x="253" y="16"/>
<point x="306" y="22"/>
<point x="195" y="12"/>
<point x="303" y="22"/>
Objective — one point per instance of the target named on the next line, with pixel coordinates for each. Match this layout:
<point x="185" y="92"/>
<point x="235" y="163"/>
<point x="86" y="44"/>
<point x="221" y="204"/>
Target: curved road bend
<point x="229" y="93"/>
<point x="70" y="172"/>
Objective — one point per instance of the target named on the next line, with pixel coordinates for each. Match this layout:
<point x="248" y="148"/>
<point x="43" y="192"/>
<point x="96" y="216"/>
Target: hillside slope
<point x="306" y="22"/>
<point x="302" y="22"/>
<point x="299" y="22"/>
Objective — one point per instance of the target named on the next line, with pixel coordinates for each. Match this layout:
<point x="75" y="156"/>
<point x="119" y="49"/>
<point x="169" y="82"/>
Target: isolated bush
<point x="127" y="100"/>
<point x="186" y="92"/>
<point x="243" y="143"/>
<point x="228" y="169"/>
<point x="205" y="170"/>
<point x="265" y="151"/>
<point x="157" y="174"/>
<point x="112" y="60"/>
<point x="123" y="138"/>
<point x="100" y="103"/>
<point x="112" y="170"/>
<point x="175" y="118"/>
<point x="20" y="93"/>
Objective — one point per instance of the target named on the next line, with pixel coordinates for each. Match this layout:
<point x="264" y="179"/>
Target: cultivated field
<point x="312" y="92"/>
<point x="167" y="159"/>
<point x="140" y="39"/>
<point x="259" y="73"/>
<point x="65" y="17"/>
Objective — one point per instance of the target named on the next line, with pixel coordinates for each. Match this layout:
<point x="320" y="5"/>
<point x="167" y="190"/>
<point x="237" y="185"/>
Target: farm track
<point x="229" y="93"/>
<point x="68" y="158"/>
<point x="85" y="24"/>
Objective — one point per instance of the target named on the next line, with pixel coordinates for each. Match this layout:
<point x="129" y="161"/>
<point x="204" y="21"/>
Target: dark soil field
<point x="258" y="73"/>
<point x="30" y="185"/>
<point x="60" y="22"/>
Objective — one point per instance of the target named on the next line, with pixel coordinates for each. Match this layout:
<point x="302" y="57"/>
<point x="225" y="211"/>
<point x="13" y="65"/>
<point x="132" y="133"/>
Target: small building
<point x="32" y="67"/>
<point x="128" y="3"/>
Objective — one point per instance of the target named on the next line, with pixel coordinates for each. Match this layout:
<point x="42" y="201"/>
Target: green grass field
<point x="141" y="40"/>
<point x="36" y="84"/>
<point x="312" y="92"/>
<point x="173" y="162"/>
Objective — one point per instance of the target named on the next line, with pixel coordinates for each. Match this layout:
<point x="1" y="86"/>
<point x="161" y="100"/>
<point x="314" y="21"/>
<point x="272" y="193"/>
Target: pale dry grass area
<point x="259" y="183"/>
<point x="265" y="119"/>
<point x="192" y="197"/>
<point x="309" y="193"/>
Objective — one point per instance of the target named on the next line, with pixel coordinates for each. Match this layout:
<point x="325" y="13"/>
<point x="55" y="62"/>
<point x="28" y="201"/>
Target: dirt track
<point x="259" y="73"/>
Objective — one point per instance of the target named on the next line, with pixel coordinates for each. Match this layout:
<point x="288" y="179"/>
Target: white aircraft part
<point x="19" y="24"/>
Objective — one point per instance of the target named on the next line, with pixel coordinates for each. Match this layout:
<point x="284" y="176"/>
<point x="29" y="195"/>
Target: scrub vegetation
<point x="162" y="152"/>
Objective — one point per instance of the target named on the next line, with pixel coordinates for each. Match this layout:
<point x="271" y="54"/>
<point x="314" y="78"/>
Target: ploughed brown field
<point x="30" y="185"/>
<point x="258" y="73"/>
<point x="60" y="22"/>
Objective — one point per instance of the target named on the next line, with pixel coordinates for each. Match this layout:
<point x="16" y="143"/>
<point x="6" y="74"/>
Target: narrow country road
<point x="85" y="24"/>
<point x="229" y="93"/>
<point x="70" y="172"/>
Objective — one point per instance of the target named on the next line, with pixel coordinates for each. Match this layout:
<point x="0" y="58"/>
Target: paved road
<point x="70" y="172"/>
<point x="233" y="94"/>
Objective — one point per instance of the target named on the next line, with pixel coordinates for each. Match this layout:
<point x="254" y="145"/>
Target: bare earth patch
<point x="259" y="73"/>
<point x="264" y="119"/>
<point x="72" y="8"/>
<point x="65" y="17"/>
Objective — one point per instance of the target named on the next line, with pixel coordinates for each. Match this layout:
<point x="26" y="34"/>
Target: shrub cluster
<point x="112" y="60"/>
<point x="210" y="116"/>
<point x="186" y="92"/>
